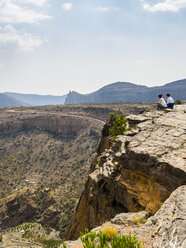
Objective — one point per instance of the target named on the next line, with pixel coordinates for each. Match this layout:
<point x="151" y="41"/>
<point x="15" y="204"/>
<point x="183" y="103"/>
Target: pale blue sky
<point x="51" y="47"/>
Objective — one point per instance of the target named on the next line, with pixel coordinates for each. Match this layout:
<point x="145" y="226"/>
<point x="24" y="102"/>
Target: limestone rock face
<point x="137" y="172"/>
<point x="166" y="229"/>
<point x="65" y="125"/>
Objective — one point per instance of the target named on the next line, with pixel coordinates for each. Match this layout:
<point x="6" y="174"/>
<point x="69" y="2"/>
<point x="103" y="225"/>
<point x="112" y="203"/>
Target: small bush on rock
<point x="100" y="240"/>
<point x="64" y="246"/>
<point x="109" y="231"/>
<point x="139" y="220"/>
<point x="126" y="241"/>
<point x="177" y="102"/>
<point x="119" y="125"/>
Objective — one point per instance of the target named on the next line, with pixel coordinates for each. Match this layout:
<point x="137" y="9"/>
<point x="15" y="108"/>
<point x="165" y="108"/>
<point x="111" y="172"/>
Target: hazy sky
<point x="53" y="46"/>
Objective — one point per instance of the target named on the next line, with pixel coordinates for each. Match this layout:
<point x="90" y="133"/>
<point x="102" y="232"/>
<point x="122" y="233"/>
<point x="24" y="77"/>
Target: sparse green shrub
<point x="64" y="245"/>
<point x="128" y="241"/>
<point x="178" y="101"/>
<point x="143" y="220"/>
<point x="139" y="220"/>
<point x="88" y="239"/>
<point x="109" y="231"/>
<point x="51" y="243"/>
<point x="1" y="238"/>
<point x="35" y="233"/>
<point x="119" y="125"/>
<point x="100" y="240"/>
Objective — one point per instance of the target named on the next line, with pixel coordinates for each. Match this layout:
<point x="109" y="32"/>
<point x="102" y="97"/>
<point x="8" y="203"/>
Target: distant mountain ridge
<point x="111" y="93"/>
<point x="8" y="101"/>
<point x="128" y="92"/>
<point x="37" y="100"/>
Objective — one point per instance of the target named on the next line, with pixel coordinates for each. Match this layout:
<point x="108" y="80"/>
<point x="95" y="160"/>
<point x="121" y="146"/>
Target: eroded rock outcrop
<point x="137" y="172"/>
<point x="166" y="229"/>
<point x="54" y="123"/>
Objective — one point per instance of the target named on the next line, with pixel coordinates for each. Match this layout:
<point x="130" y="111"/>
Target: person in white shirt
<point x="161" y="104"/>
<point x="170" y="101"/>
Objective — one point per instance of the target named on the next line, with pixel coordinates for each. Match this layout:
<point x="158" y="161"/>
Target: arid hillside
<point x="43" y="159"/>
<point x="45" y="156"/>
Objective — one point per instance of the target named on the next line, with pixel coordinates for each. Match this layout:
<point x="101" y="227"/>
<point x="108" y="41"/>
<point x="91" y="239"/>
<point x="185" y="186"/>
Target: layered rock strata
<point x="166" y="229"/>
<point x="137" y="172"/>
<point x="54" y="123"/>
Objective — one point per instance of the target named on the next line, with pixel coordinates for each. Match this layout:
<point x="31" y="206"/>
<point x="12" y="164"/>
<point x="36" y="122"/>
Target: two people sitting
<point x="162" y="104"/>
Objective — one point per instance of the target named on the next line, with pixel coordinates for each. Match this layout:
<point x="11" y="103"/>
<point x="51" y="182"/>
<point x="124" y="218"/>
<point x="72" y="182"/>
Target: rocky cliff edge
<point x="138" y="172"/>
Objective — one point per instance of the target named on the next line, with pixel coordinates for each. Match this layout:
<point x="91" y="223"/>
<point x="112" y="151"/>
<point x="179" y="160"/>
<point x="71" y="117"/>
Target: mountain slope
<point x="8" y="101"/>
<point x="128" y="92"/>
<point x="37" y="100"/>
<point x="40" y="158"/>
<point x="45" y="156"/>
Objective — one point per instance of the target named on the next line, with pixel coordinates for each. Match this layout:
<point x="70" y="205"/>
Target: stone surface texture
<point x="166" y="229"/>
<point x="138" y="172"/>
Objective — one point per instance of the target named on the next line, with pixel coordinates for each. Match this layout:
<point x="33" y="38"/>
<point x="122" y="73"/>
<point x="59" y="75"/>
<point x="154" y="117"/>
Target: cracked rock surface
<point x="166" y="229"/>
<point x="137" y="172"/>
